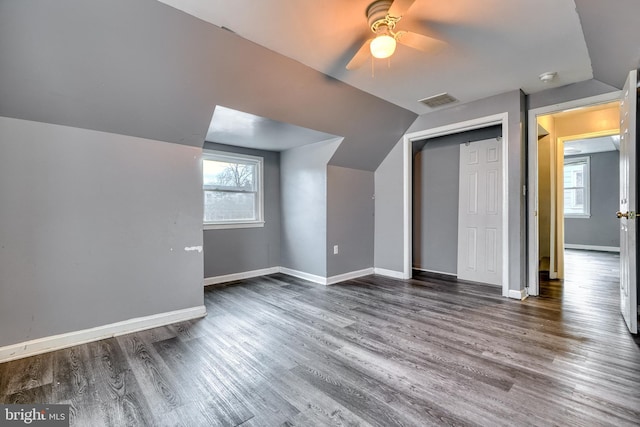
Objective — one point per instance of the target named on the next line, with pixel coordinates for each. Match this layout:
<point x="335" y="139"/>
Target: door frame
<point x="408" y="139"/>
<point x="532" y="178"/>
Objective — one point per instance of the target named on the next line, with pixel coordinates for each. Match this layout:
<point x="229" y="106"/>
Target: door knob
<point x="628" y="215"/>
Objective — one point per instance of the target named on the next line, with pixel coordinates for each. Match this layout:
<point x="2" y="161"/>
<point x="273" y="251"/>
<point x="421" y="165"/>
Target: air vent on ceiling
<point x="438" y="100"/>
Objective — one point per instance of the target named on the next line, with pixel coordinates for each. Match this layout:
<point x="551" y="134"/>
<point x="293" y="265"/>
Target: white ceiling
<point x="591" y="145"/>
<point x="232" y="127"/>
<point x="491" y="46"/>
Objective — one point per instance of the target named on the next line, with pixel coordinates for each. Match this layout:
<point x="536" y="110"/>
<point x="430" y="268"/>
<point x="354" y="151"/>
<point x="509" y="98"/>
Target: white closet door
<point x="480" y="212"/>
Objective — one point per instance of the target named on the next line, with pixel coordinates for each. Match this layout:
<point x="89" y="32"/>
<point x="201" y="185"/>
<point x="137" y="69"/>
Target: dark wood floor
<point x="374" y="351"/>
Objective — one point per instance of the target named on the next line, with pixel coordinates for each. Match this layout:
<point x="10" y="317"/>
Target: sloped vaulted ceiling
<point x="612" y="33"/>
<point x="141" y="68"/>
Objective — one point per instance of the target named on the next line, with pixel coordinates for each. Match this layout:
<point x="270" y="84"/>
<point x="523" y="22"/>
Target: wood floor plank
<point x="121" y="400"/>
<point x="152" y="374"/>
<point x="247" y="381"/>
<point x="28" y="373"/>
<point x="220" y="406"/>
<point x="41" y="393"/>
<point x="84" y="414"/>
<point x="313" y="403"/>
<point x="74" y="385"/>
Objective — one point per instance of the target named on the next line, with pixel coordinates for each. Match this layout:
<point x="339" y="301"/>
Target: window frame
<point x="586" y="185"/>
<point x="258" y="162"/>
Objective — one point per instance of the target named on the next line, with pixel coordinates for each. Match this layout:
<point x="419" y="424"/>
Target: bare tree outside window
<point x="237" y="175"/>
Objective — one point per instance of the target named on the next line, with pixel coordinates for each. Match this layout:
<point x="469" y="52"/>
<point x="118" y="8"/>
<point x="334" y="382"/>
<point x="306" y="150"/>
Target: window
<point x="576" y="187"/>
<point x="232" y="185"/>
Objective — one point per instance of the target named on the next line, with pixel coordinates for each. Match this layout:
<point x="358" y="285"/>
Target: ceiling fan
<point x="382" y="17"/>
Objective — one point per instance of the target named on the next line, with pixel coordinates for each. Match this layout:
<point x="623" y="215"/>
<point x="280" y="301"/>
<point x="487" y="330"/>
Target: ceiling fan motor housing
<point x="377" y="14"/>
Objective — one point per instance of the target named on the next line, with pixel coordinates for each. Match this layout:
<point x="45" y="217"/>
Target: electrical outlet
<point x="335" y="249"/>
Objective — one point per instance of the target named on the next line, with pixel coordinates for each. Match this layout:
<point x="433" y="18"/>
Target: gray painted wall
<point x="568" y="93"/>
<point x="228" y="251"/>
<point x="602" y="228"/>
<point x="435" y="207"/>
<point x="303" y="179"/>
<point x="146" y="69"/>
<point x="93" y="229"/>
<point x="436" y="173"/>
<point x="350" y="220"/>
<point x="390" y="172"/>
<point x="388" y="246"/>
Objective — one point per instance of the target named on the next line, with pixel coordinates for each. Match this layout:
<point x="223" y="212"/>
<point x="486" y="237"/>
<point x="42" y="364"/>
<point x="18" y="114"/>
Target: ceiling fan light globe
<point x="383" y="46"/>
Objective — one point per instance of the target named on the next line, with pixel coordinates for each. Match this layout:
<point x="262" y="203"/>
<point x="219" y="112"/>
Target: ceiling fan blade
<point x="399" y="7"/>
<point x="360" y="57"/>
<point x="419" y="41"/>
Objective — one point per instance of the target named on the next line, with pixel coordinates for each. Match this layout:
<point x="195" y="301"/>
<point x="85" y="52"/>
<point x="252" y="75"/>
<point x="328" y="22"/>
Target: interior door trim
<point x="532" y="177"/>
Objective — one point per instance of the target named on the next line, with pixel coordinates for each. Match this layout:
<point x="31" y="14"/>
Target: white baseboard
<point x="390" y="273"/>
<point x="302" y="275"/>
<point x="295" y="273"/>
<point x="348" y="276"/>
<point x="521" y="294"/>
<point x="57" y="342"/>
<point x="592" y="247"/>
<point x="239" y="276"/>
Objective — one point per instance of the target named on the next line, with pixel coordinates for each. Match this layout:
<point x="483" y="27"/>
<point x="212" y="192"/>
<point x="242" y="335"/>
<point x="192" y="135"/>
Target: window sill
<point x="576" y="216"/>
<point x="228" y="225"/>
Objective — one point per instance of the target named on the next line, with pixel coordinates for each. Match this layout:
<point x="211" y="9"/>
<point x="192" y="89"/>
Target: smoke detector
<point x="547" y="77"/>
